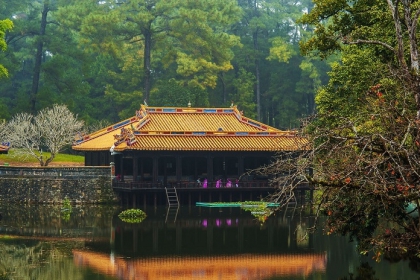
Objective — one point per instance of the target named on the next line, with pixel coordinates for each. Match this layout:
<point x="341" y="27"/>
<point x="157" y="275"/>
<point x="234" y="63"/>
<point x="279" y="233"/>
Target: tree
<point x="5" y="25"/>
<point x="282" y="90"/>
<point x="39" y="54"/>
<point x="188" y="34"/>
<point x="173" y="94"/>
<point x="50" y="130"/>
<point x="3" y="131"/>
<point x="363" y="155"/>
<point x="45" y="66"/>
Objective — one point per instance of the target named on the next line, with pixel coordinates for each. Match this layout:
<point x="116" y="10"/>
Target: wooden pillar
<point x="155" y="239"/>
<point x="134" y="200"/>
<point x="155" y="200"/>
<point x="135" y="239"/>
<point x="122" y="167"/>
<point x="155" y="169"/>
<point x="144" y="202"/>
<point x="135" y="168"/>
<point x="141" y="169"/>
<point x="210" y="238"/>
<point x="240" y="237"/>
<point x="178" y="238"/>
<point x="210" y="168"/>
<point x="241" y="170"/>
<point x="178" y="170"/>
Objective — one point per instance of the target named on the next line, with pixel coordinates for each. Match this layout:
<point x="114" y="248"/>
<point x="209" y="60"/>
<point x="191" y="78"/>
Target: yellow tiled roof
<point x="190" y="129"/>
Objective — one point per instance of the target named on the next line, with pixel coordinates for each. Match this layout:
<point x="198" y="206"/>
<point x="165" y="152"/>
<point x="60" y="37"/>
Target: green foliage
<point x="5" y="25"/>
<point x="281" y="50"/>
<point x="259" y="209"/>
<point x="243" y="98"/>
<point x="365" y="138"/>
<point x="97" y="58"/>
<point x="133" y="216"/>
<point x="173" y="94"/>
<point x="66" y="209"/>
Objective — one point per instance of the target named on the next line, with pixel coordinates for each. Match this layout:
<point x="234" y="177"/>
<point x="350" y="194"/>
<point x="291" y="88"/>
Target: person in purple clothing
<point x="228" y="184"/>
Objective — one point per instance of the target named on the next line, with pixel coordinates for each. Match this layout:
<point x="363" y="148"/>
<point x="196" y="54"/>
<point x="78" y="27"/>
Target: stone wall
<point x="51" y="185"/>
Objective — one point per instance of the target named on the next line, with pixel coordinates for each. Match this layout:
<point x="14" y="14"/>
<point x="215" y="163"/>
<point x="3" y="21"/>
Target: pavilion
<point x="165" y="146"/>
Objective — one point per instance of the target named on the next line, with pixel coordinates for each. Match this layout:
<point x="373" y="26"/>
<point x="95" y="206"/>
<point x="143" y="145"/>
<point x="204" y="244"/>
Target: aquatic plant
<point x="133" y="216"/>
<point x="259" y="209"/>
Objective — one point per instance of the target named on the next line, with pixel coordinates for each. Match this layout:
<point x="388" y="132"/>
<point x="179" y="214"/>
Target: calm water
<point x="41" y="242"/>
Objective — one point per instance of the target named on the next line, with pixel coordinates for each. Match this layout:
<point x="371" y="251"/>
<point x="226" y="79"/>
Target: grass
<point x="12" y="159"/>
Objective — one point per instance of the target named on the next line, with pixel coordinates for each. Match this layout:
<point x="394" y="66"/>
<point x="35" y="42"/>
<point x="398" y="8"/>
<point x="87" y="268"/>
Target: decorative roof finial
<point x="231" y="105"/>
<point x="145" y="103"/>
<point x="189" y="104"/>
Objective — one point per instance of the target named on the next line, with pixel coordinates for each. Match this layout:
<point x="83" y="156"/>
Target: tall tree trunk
<point x="38" y="57"/>
<point x="147" y="63"/>
<point x="257" y="76"/>
<point x="224" y="93"/>
<point x="257" y="64"/>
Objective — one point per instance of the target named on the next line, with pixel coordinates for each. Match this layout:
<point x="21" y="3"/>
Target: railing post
<point x="112" y="164"/>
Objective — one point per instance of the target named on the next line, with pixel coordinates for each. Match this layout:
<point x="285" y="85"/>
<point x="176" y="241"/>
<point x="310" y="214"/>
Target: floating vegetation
<point x="259" y="209"/>
<point x="133" y="216"/>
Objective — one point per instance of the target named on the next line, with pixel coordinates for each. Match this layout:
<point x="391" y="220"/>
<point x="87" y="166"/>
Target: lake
<point x="91" y="242"/>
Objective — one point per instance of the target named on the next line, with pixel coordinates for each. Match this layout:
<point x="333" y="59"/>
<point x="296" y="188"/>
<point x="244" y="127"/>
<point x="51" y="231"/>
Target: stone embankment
<point x="51" y="185"/>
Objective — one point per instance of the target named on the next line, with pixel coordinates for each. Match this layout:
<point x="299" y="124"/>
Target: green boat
<point x="236" y="204"/>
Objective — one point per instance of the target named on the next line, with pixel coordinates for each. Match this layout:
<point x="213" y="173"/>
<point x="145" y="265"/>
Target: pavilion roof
<point x="190" y="129"/>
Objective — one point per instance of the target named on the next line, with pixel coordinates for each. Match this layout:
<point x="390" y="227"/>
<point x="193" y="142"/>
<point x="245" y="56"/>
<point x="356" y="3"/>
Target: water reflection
<point x="214" y="267"/>
<point x="184" y="243"/>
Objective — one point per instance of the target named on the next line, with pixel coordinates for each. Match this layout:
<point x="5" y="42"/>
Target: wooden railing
<point x="188" y="185"/>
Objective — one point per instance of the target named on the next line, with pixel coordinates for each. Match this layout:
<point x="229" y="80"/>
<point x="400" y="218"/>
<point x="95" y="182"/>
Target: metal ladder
<point x="171" y="214"/>
<point x="172" y="196"/>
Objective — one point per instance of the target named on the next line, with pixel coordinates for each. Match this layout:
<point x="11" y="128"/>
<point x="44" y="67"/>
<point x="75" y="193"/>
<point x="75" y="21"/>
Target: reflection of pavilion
<point x="212" y="267"/>
<point x="232" y="231"/>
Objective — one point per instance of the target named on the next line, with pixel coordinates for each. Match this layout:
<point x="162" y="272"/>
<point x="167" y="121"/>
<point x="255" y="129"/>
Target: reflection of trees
<point x="364" y="272"/>
<point x="38" y="260"/>
<point x="45" y="220"/>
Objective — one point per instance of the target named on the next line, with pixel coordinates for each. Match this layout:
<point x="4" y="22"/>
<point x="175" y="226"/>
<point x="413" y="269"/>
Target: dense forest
<point x="104" y="58"/>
